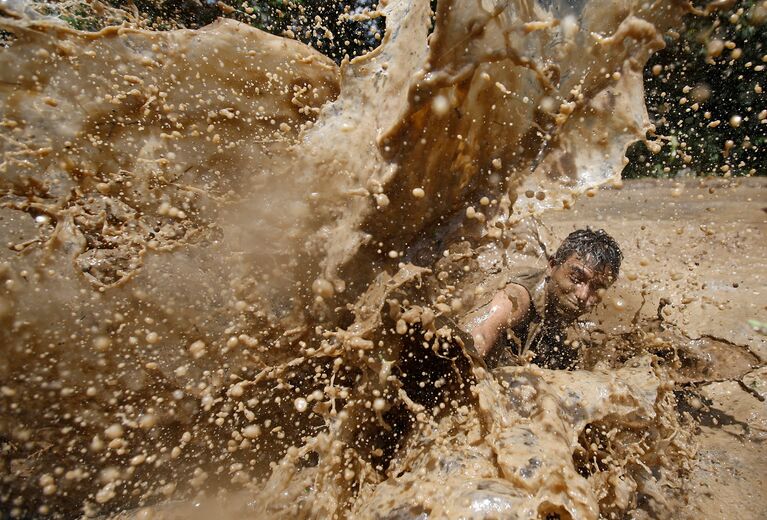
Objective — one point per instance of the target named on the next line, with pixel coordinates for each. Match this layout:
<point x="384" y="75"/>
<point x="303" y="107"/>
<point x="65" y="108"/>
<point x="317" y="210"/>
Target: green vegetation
<point x="329" y="27"/>
<point x="758" y="326"/>
<point x="704" y="94"/>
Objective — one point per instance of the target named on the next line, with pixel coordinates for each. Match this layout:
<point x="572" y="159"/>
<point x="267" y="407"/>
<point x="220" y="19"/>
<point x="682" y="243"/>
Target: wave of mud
<point x="233" y="270"/>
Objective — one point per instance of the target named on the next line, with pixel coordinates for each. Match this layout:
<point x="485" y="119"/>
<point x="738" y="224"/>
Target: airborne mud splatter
<point x="233" y="271"/>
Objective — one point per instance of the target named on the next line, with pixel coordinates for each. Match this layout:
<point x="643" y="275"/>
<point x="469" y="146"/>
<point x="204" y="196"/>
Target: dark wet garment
<point x="550" y="350"/>
<point x="547" y="346"/>
<point x="533" y="334"/>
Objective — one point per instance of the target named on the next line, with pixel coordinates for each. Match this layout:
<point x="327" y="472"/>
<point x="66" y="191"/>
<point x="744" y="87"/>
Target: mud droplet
<point x="401" y="327"/>
<point x="251" y="431"/>
<point x="440" y="105"/>
<point x="102" y="343"/>
<point x="197" y="349"/>
<point x="714" y="48"/>
<point x="322" y="287"/>
<point x="114" y="431"/>
<point x="106" y="493"/>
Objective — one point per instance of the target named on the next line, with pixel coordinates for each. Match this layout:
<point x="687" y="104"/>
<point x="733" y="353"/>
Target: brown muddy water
<point x="232" y="271"/>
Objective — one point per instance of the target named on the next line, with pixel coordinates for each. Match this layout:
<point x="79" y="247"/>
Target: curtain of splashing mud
<point x="201" y="231"/>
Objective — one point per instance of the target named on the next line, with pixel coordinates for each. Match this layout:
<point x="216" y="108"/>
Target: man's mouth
<point x="573" y="305"/>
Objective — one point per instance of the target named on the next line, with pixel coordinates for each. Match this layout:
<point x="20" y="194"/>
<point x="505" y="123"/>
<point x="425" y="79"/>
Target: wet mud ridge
<point x="232" y="272"/>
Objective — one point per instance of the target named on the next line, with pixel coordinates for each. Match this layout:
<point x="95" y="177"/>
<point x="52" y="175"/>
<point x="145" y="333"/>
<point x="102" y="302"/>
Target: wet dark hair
<point x="595" y="247"/>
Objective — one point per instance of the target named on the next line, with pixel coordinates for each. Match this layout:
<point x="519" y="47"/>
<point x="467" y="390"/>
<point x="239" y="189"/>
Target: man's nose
<point x="582" y="292"/>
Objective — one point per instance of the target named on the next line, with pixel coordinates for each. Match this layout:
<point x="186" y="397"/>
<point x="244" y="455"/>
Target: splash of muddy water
<point x="210" y="277"/>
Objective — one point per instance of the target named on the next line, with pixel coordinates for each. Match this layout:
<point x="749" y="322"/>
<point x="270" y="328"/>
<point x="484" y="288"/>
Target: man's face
<point x="575" y="286"/>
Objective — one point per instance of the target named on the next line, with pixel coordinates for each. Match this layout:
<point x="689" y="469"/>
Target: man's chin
<point x="570" y="312"/>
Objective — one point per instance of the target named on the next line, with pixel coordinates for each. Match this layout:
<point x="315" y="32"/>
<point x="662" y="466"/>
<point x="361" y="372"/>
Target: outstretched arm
<point x="507" y="309"/>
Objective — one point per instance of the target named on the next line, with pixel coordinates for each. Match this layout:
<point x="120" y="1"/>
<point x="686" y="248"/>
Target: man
<point x="530" y="315"/>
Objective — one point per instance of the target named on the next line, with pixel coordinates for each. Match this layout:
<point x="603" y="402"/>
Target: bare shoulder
<point x="519" y="298"/>
<point x="508" y="308"/>
<point x="510" y="304"/>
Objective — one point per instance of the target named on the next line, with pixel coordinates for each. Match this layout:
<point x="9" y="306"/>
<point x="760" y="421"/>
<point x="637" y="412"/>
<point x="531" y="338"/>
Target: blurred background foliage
<point x="703" y="91"/>
<point x="338" y="29"/>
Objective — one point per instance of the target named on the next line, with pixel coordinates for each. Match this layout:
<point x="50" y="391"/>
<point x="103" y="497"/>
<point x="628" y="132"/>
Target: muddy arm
<point x="507" y="309"/>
